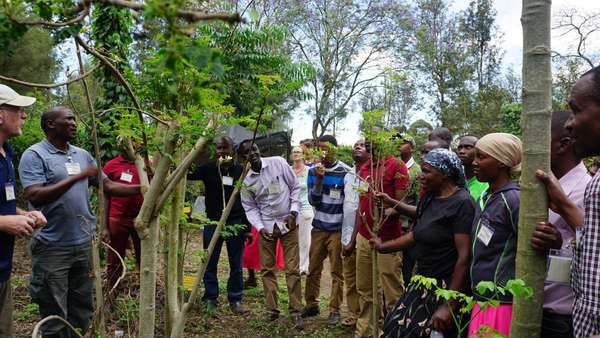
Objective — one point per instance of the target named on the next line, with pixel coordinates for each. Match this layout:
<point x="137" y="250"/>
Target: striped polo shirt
<point x="329" y="201"/>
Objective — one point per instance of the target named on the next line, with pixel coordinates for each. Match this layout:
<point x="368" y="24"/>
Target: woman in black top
<point x="440" y="239"/>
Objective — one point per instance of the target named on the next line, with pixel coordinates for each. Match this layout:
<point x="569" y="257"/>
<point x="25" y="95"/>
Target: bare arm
<point x="39" y="194"/>
<point x="117" y="189"/>
<point x="395" y="244"/>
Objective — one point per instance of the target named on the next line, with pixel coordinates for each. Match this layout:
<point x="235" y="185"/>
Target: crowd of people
<point x="451" y="215"/>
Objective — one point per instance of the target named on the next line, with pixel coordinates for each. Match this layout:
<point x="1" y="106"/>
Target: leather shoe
<point x="237" y="308"/>
<point x="310" y="312"/>
<point x="298" y="321"/>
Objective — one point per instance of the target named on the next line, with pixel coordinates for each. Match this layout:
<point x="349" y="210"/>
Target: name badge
<point x="73" y="168"/>
<point x="578" y="236"/>
<point x="126" y="177"/>
<point x="335" y="194"/>
<point x="9" y="189"/>
<point x="485" y="234"/>
<point x="227" y="180"/>
<point x="273" y="188"/>
<point x="559" y="266"/>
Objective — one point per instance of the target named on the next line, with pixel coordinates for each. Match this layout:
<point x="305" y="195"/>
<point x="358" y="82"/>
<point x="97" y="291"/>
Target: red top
<point x="395" y="178"/>
<point x="123" y="171"/>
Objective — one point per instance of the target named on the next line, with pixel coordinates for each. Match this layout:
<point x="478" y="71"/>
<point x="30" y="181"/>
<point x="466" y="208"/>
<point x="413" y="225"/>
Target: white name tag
<point x="485" y="234"/>
<point x="227" y="180"/>
<point x="73" y="168"/>
<point x="9" y="189"/>
<point x="273" y="188"/>
<point x="335" y="194"/>
<point x="126" y="177"/>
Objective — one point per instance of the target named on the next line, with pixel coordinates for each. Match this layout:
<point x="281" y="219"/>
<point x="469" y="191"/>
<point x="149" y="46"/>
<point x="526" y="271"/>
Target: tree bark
<point x="537" y="105"/>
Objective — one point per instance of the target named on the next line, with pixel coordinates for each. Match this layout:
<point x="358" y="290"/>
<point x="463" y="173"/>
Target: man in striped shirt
<point x="326" y="194"/>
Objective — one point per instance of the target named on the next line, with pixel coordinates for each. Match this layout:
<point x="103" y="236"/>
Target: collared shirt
<point x="586" y="261"/>
<point x="395" y="177"/>
<point x="329" y="200"/>
<point x="270" y="195"/>
<point x="8" y="206"/>
<point x="70" y="218"/>
<point x="214" y="189"/>
<point x="119" y="169"/>
<point x="476" y="188"/>
<point x="558" y="297"/>
<point x="352" y="187"/>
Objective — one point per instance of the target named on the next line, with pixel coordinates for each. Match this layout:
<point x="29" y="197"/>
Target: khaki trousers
<point x="390" y="282"/>
<point x="289" y="242"/>
<point x="352" y="298"/>
<point x="6" y="310"/>
<point x="325" y="244"/>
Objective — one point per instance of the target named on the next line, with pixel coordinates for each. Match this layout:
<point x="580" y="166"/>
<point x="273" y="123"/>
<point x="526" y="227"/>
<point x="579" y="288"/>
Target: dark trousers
<point x="408" y="265"/>
<point x="120" y="229"/>
<point x="556" y="325"/>
<point x="235" y="252"/>
<point x="6" y="310"/>
<point x="61" y="284"/>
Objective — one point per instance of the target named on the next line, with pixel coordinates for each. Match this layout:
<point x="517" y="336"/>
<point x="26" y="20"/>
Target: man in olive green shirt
<point x="466" y="153"/>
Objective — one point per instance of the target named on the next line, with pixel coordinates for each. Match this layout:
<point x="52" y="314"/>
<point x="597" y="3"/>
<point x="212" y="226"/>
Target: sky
<point x="508" y="20"/>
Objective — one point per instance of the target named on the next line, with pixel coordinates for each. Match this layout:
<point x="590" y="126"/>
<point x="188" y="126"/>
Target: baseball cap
<point x="10" y="97"/>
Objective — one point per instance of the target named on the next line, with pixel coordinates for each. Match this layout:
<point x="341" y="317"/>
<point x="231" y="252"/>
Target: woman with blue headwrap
<point x="440" y="239"/>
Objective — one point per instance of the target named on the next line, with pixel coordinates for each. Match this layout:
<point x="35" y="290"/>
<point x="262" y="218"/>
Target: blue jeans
<point x="235" y="253"/>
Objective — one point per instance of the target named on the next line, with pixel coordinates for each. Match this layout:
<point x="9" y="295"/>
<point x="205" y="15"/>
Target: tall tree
<point x="345" y="41"/>
<point x="396" y="96"/>
<point x="537" y="106"/>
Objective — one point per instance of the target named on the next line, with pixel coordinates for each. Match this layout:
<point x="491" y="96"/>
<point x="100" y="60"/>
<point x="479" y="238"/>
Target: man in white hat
<point x="13" y="221"/>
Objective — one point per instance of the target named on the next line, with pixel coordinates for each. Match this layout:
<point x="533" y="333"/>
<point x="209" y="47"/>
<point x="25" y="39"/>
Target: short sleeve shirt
<point x="437" y="221"/>
<point x="7" y="207"/>
<point x="119" y="169"/>
<point x="395" y="177"/>
<point x="70" y="218"/>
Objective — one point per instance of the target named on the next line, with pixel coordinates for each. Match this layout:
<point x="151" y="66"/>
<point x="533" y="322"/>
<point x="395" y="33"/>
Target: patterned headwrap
<point x="448" y="163"/>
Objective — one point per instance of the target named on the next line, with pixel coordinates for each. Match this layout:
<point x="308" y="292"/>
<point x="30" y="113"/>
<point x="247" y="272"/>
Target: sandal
<point x="349" y="322"/>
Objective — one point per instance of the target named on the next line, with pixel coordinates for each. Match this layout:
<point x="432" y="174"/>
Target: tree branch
<point x="80" y="17"/>
<point x="48" y="85"/>
<point x="186" y="14"/>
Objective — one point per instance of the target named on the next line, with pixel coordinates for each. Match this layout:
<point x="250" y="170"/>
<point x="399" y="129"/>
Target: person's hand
<point x="348" y="249"/>
<point x="18" y="225"/>
<point x="89" y="171"/>
<point x="105" y="235"/>
<point x="291" y="222"/>
<point x="265" y="235"/>
<point x="375" y="243"/>
<point x="248" y="237"/>
<point x="319" y="170"/>
<point x="38" y="218"/>
<point x="441" y="319"/>
<point x="385" y="198"/>
<point x="556" y="195"/>
<point x="389" y="212"/>
<point x="546" y="237"/>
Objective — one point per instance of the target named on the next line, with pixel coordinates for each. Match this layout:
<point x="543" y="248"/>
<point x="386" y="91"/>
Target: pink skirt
<point x="497" y="318"/>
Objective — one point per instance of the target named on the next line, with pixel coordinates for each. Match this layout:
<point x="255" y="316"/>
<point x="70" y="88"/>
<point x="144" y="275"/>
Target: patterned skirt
<point x="411" y="316"/>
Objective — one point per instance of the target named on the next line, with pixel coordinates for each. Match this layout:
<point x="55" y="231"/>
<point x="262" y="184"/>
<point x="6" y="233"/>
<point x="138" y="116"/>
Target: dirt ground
<point x="123" y="313"/>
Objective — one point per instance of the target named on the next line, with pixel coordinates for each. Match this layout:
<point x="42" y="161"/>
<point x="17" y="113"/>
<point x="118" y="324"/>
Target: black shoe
<point x="237" y="308"/>
<point x="334" y="319"/>
<point x="310" y="312"/>
<point x="297" y="321"/>
<point x="272" y="316"/>
<point x="250" y="283"/>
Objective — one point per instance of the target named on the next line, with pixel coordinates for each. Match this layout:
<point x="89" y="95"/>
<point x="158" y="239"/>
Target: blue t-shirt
<point x="7" y="177"/>
<point x="70" y="218"/>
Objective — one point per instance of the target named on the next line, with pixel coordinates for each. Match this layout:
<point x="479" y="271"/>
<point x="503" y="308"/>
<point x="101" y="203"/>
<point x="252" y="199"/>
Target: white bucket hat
<point x="10" y="97"/>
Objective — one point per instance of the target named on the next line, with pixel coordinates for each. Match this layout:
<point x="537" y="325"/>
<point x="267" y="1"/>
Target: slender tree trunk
<point x="537" y="105"/>
<point x="375" y="290"/>
<point x="173" y="240"/>
<point x="99" y="318"/>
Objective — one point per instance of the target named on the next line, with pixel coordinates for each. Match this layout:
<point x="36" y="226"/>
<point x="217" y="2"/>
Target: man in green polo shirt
<point x="466" y="153"/>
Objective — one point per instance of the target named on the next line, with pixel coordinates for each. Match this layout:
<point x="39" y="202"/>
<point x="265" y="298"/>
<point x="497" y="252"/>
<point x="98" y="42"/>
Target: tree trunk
<point x="537" y="105"/>
<point x="149" y="253"/>
<point x="375" y="290"/>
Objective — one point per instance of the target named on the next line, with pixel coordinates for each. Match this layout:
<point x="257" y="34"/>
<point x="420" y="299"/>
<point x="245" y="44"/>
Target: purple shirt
<point x="558" y="297"/>
<point x="268" y="197"/>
